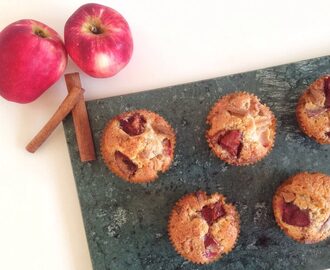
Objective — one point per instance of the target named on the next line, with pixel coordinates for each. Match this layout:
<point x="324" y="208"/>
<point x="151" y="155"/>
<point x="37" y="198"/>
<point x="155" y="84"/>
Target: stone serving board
<point x="126" y="224"/>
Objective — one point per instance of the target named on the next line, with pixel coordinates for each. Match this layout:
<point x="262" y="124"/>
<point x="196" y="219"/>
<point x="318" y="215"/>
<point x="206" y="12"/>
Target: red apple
<point x="99" y="40"/>
<point x="32" y="58"/>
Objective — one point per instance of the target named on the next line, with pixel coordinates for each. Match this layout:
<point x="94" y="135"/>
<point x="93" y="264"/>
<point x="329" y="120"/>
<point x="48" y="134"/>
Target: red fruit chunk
<point x="293" y="215"/>
<point x="212" y="247"/>
<point x="315" y="112"/>
<point x="213" y="212"/>
<point x="126" y="165"/>
<point x="327" y="92"/>
<point x="232" y="142"/>
<point x="133" y="125"/>
<point x="167" y="147"/>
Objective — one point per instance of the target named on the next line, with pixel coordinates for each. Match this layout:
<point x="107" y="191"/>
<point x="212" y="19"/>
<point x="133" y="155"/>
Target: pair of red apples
<point x="33" y="56"/>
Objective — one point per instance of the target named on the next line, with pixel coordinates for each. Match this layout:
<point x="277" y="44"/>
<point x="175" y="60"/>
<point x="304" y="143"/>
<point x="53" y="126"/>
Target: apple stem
<point x="40" y="33"/>
<point x="95" y="30"/>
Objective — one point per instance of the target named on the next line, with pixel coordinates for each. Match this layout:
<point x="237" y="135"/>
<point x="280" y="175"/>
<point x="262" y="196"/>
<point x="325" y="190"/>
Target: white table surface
<point x="174" y="42"/>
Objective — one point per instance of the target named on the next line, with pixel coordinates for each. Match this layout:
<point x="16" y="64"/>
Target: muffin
<point x="242" y="130"/>
<point x="302" y="207"/>
<point x="137" y="145"/>
<point x="313" y="110"/>
<point x="203" y="228"/>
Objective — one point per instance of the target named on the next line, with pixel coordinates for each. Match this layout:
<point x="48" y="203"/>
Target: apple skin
<point x="99" y="40"/>
<point x="32" y="58"/>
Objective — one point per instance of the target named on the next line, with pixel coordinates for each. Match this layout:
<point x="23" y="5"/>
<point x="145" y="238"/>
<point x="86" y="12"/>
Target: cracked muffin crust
<point x="313" y="110"/>
<point x="137" y="145"/>
<point x="203" y="228"/>
<point x="302" y="207"/>
<point x="242" y="130"/>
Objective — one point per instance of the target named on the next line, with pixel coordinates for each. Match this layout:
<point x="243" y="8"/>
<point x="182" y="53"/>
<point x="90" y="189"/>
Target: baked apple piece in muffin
<point x="137" y="145"/>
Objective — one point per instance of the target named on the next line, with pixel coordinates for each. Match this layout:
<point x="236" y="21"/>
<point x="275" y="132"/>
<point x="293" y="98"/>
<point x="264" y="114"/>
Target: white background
<point x="174" y="42"/>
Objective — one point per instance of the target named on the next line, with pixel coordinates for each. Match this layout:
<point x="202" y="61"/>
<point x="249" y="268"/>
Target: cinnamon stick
<point x="81" y="121"/>
<point x="63" y="110"/>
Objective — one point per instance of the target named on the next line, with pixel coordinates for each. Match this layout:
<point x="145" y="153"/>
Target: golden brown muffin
<point x="313" y="110"/>
<point x="302" y="207"/>
<point x="203" y="228"/>
<point x="137" y="145"/>
<point x="242" y="130"/>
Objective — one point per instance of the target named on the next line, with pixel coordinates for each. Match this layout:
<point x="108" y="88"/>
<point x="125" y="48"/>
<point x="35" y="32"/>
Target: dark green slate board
<point x="126" y="223"/>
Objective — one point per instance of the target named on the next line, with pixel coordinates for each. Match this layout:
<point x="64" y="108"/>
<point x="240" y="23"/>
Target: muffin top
<point x="203" y="228"/>
<point x="242" y="130"/>
<point x="137" y="145"/>
<point x="313" y="110"/>
<point x="302" y="207"/>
